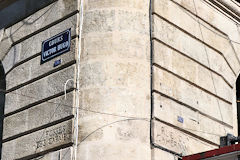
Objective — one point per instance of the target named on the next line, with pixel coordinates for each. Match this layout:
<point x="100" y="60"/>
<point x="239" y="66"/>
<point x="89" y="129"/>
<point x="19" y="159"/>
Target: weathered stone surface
<point x="212" y="16"/>
<point x="132" y="21"/>
<point x="62" y="154"/>
<point x="109" y="136"/>
<point x="39" y="90"/>
<point x="172" y="86"/>
<point x="1" y="34"/>
<point x="178" y="141"/>
<point x="5" y="45"/>
<point x="169" y="111"/>
<point x="106" y="46"/>
<point x="133" y="4"/>
<point x="192" y="47"/>
<point x="169" y="10"/>
<point x="219" y="20"/>
<point x="111" y="20"/>
<point x="99" y="21"/>
<point x="33" y="69"/>
<point x="191" y="71"/>
<point x="237" y="50"/>
<point x="38" y="141"/>
<point x="32" y="45"/>
<point x="159" y="154"/>
<point x="103" y="74"/>
<point x="46" y="112"/>
<point x="222" y="44"/>
<point x="187" y="4"/>
<point x="125" y="102"/>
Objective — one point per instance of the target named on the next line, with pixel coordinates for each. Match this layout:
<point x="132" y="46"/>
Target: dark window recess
<point x="2" y="103"/>
<point x="238" y="1"/>
<point x="20" y="9"/>
<point x="238" y="102"/>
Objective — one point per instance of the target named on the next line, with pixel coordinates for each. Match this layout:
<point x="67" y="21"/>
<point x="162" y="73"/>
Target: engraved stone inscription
<point x="54" y="135"/>
<point x="171" y="140"/>
<point x="178" y="141"/>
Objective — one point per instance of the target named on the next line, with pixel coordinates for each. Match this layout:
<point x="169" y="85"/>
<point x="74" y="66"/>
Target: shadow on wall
<point x="2" y="102"/>
<point x="19" y="10"/>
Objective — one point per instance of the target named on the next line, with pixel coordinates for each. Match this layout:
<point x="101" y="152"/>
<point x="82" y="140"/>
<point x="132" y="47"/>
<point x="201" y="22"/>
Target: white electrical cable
<point x="65" y="87"/>
<point x="78" y="80"/>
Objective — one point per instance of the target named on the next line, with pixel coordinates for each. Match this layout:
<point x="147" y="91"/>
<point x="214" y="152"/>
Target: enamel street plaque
<point x="56" y="46"/>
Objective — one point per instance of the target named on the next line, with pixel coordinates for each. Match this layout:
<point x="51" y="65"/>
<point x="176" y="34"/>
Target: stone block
<point x="62" y="154"/>
<point x="192" y="48"/>
<point x="113" y="74"/>
<point x="218" y="64"/>
<point x="179" y="89"/>
<point x="237" y="49"/>
<point x="41" y="89"/>
<point x="159" y="154"/>
<point x="5" y="45"/>
<point x="177" y="15"/>
<point x="141" y="5"/>
<point x="38" y="141"/>
<point x="99" y="21"/>
<point x="32" y="45"/>
<point x="116" y="45"/>
<point x="132" y="21"/>
<point x="115" y="20"/>
<point x="169" y="111"/>
<point x="222" y="44"/>
<point x="212" y="16"/>
<point x="191" y="71"/>
<point x="178" y="141"/>
<point x="187" y="4"/>
<point x="112" y="137"/>
<point x="217" y="19"/>
<point x="125" y="102"/>
<point x="33" y="69"/>
<point x="219" y="41"/>
<point x="46" y="112"/>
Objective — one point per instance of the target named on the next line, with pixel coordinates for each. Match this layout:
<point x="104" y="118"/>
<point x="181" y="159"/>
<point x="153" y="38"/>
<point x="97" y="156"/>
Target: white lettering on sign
<point x="56" y="46"/>
<point x="62" y="45"/>
<point x="55" y="41"/>
<point x="50" y="51"/>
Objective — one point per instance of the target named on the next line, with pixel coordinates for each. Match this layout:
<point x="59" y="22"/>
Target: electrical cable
<point x="209" y="64"/>
<point x="193" y="16"/>
<point x="104" y="113"/>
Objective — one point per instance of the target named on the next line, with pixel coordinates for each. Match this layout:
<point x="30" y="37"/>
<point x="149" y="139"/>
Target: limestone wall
<point x="38" y="118"/>
<point x="195" y="65"/>
<point x="115" y="82"/>
<point x="128" y="109"/>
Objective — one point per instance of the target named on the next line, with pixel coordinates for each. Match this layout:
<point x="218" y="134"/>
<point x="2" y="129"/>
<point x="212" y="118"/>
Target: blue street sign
<point x="56" y="46"/>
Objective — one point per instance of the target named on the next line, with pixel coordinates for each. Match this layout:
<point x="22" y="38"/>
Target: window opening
<point x="2" y="102"/>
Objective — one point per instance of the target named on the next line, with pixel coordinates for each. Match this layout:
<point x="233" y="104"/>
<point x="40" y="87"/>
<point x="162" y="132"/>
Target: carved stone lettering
<point x="52" y="136"/>
<point x="178" y="141"/>
<point x="171" y="140"/>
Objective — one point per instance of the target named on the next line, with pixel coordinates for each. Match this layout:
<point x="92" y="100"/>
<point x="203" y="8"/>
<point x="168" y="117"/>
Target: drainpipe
<point x="76" y="119"/>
